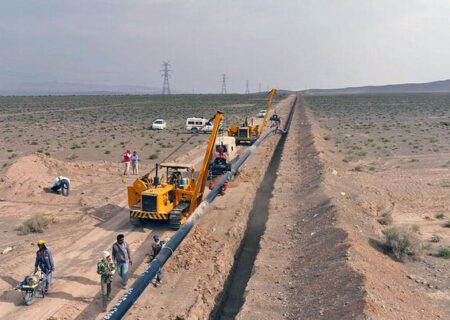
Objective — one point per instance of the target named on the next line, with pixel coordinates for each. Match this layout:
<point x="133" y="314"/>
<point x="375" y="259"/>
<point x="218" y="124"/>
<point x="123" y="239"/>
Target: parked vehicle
<point x="262" y="114"/>
<point x="159" y="124"/>
<point x="196" y="125"/>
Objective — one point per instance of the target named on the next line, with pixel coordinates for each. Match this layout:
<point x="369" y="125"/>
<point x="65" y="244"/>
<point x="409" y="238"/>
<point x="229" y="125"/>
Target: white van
<point x="195" y="125"/>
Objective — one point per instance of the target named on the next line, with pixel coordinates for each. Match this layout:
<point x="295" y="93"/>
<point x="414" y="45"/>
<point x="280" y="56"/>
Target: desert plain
<point x="354" y="171"/>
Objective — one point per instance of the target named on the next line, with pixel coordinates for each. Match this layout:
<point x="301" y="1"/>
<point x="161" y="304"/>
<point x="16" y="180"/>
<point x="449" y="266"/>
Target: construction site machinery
<point x="249" y="133"/>
<point x="226" y="155"/>
<point x="175" y="195"/>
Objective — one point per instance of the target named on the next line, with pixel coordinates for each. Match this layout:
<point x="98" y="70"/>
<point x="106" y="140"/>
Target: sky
<point x="290" y="44"/>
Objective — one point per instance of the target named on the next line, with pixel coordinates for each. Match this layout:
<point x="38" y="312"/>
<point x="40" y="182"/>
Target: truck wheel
<point x="194" y="130"/>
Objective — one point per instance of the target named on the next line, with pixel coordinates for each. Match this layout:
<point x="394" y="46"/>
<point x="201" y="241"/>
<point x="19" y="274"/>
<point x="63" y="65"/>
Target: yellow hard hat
<point x="41" y="242"/>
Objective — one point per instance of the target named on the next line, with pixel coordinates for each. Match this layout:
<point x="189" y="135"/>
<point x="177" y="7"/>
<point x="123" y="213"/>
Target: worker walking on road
<point x="62" y="183"/>
<point x="106" y="269"/>
<point x="122" y="258"/>
<point x="44" y="261"/>
<point x="126" y="160"/>
<point x="134" y="163"/>
<point x="156" y="248"/>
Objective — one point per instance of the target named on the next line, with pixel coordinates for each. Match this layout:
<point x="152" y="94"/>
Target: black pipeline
<point x="133" y="293"/>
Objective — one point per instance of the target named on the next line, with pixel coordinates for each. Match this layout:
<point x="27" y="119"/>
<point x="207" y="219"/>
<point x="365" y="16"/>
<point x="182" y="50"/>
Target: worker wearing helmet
<point x="44" y="261"/>
<point x="106" y="269"/>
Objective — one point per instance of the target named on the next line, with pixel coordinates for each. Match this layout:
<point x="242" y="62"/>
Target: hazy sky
<point x="283" y="44"/>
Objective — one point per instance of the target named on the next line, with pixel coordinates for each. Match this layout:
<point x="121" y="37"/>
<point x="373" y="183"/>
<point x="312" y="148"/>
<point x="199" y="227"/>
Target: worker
<point x="156" y="248"/>
<point x="126" y="160"/>
<point x="106" y="269"/>
<point x="62" y="183"/>
<point x="220" y="150"/>
<point x="134" y="163"/>
<point x="44" y="261"/>
<point x="276" y="121"/>
<point x="122" y="258"/>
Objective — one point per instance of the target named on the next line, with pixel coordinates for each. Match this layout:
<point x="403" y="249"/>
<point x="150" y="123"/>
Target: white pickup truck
<point x="196" y="125"/>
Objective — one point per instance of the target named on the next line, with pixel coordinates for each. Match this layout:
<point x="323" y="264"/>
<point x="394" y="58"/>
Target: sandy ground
<point x="87" y="222"/>
<point x="321" y="255"/>
<point x="321" y="251"/>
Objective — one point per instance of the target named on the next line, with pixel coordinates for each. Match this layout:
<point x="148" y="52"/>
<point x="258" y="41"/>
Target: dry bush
<point x="386" y="218"/>
<point x="403" y="243"/>
<point x="36" y="224"/>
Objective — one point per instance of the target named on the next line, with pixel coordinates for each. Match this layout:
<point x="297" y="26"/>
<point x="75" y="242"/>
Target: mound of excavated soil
<point x="30" y="176"/>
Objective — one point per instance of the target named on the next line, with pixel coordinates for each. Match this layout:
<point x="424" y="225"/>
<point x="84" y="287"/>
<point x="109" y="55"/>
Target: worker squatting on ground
<point x="127" y="160"/>
<point x="106" y="269"/>
<point x="156" y="248"/>
<point x="134" y="163"/>
<point x="44" y="261"/>
<point x="122" y="258"/>
<point x="62" y="183"/>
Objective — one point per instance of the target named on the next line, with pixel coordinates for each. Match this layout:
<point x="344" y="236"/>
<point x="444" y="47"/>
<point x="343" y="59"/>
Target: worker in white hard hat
<point x="62" y="183"/>
<point x="106" y="269"/>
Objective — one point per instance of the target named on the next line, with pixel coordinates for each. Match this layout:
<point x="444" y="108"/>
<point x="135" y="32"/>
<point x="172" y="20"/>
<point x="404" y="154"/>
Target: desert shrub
<point x="447" y="224"/>
<point x="386" y="218"/>
<point x="403" y="243"/>
<point x="439" y="216"/>
<point x="415" y="228"/>
<point x="107" y="152"/>
<point x="36" y="224"/>
<point x="444" y="253"/>
<point x="435" y="238"/>
<point x="153" y="156"/>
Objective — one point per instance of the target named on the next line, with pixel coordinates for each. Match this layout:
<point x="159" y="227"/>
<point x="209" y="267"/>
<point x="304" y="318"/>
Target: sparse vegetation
<point x="403" y="243"/>
<point x="386" y="218"/>
<point x="444" y="253"/>
<point x="153" y="156"/>
<point x="36" y="224"/>
<point x="439" y="216"/>
<point x="435" y="238"/>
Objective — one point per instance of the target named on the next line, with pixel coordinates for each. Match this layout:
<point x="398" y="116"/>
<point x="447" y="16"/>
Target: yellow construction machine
<point x="175" y="195"/>
<point x="249" y="133"/>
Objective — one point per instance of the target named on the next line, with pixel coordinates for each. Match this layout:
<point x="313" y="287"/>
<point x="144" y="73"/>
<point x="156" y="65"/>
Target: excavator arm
<point x="203" y="174"/>
<point x="269" y="104"/>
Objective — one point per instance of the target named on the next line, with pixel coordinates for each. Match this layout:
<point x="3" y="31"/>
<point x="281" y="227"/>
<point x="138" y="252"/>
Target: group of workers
<point x="132" y="159"/>
<point x="119" y="260"/>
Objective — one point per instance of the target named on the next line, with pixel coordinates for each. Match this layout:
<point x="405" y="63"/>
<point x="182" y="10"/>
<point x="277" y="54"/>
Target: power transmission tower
<point x="165" y="73"/>
<point x="224" y="84"/>
<point x="247" y="89"/>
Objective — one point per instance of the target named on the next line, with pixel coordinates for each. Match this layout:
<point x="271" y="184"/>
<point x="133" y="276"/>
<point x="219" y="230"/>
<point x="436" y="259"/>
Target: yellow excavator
<point x="249" y="133"/>
<point x="175" y="195"/>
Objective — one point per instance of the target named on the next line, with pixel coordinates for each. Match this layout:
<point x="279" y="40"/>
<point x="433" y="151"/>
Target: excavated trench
<point x="231" y="299"/>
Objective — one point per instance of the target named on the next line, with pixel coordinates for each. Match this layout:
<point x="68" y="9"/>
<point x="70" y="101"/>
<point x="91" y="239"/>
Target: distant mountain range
<point x="65" y="88"/>
<point x="435" y="86"/>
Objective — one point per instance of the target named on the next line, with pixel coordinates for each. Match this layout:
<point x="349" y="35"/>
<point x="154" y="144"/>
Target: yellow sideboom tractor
<point x="175" y="195"/>
<point x="249" y="133"/>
